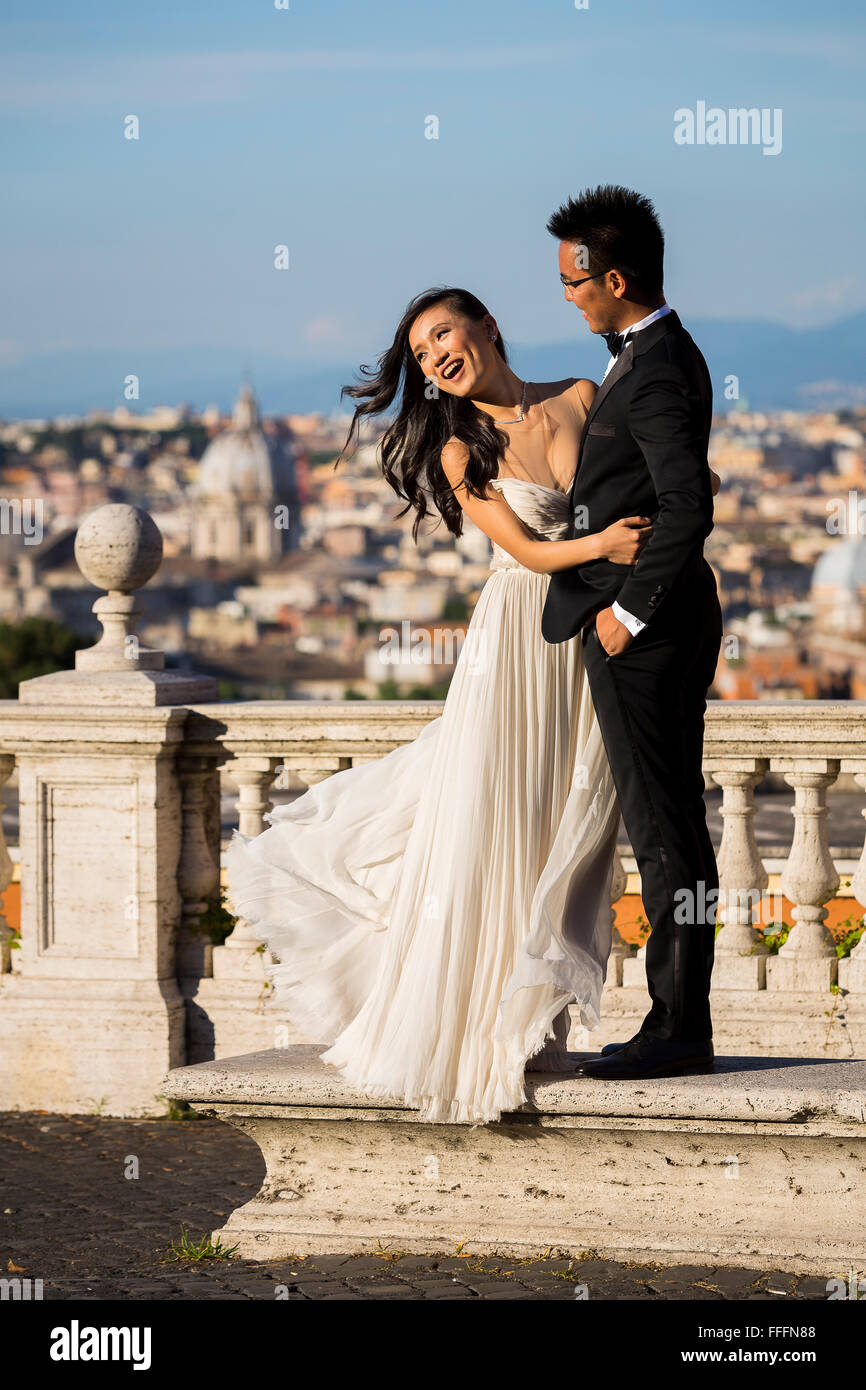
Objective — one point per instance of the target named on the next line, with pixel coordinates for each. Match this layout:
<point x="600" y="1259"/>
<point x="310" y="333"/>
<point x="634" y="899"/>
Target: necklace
<point x="517" y="418"/>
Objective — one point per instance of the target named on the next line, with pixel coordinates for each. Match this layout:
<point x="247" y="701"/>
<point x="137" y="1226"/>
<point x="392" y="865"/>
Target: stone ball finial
<point x="118" y="547"/>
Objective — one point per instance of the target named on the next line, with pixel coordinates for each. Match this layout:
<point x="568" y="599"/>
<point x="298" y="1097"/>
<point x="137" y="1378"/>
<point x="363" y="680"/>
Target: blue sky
<point x="306" y="127"/>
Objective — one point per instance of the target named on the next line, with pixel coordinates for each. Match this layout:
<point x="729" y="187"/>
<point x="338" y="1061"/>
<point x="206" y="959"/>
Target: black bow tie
<point x="615" y="341"/>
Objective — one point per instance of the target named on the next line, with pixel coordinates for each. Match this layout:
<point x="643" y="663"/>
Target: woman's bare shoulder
<point x="454" y="458"/>
<point x="570" y="390"/>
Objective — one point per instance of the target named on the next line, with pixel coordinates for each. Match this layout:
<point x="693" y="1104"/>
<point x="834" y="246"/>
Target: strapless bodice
<point x="544" y="509"/>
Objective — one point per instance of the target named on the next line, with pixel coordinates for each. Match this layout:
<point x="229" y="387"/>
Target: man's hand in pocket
<point x="613" y="635"/>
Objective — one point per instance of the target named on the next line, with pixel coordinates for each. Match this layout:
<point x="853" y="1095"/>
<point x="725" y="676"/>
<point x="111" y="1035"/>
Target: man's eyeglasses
<point x="573" y="284"/>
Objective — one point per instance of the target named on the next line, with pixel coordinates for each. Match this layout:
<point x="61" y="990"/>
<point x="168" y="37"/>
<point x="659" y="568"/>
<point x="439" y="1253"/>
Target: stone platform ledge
<point x="763" y="1162"/>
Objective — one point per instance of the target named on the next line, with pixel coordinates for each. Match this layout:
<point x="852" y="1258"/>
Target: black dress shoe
<point x="646" y="1057"/>
<point x="610" y="1048"/>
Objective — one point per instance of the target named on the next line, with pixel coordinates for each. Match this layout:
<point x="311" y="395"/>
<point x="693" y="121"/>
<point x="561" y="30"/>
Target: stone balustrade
<point x="120" y="765"/>
<point x="807" y="745"/>
<point x="802" y="999"/>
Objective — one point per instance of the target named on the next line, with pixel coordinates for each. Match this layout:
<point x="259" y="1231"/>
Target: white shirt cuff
<point x="634" y="625"/>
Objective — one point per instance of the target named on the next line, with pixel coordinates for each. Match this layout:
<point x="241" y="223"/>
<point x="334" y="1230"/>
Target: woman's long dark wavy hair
<point x="412" y="443"/>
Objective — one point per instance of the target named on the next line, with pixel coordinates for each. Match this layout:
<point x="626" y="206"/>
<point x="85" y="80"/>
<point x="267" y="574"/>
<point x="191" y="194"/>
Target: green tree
<point x="34" y="647"/>
<point x="456" y="609"/>
<point x="388" y="690"/>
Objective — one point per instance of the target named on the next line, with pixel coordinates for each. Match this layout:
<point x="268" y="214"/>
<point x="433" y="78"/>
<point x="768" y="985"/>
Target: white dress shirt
<point x="634" y="625"/>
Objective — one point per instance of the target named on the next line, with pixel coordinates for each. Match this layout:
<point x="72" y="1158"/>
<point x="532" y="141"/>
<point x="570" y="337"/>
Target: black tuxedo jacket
<point x="643" y="452"/>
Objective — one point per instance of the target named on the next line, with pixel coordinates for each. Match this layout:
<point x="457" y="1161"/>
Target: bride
<point x="433" y="913"/>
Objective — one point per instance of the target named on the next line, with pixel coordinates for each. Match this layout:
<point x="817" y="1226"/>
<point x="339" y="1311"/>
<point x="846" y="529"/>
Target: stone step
<point x="763" y="1161"/>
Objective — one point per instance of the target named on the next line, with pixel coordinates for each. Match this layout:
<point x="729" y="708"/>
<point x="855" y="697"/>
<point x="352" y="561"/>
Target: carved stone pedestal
<point x="91" y="1013"/>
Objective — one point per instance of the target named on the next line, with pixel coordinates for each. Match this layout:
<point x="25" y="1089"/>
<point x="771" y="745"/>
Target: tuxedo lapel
<point x="635" y="347"/>
<point x="621" y="367"/>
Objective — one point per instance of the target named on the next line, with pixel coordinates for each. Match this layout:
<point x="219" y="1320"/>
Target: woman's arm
<point x="715" y="482"/>
<point x="504" y="527"/>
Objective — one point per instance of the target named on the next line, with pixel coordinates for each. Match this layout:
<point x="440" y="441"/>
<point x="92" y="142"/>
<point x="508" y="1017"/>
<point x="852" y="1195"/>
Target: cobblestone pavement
<point x="70" y="1216"/>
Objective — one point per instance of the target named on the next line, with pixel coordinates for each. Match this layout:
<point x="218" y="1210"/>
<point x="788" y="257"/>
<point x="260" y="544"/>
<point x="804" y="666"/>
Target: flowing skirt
<point x="433" y="912"/>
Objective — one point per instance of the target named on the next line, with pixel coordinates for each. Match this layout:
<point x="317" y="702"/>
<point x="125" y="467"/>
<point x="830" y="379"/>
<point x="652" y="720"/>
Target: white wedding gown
<point x="433" y="912"/>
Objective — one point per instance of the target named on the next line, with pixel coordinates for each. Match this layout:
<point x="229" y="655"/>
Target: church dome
<point x="842" y="566"/>
<point x="242" y="463"/>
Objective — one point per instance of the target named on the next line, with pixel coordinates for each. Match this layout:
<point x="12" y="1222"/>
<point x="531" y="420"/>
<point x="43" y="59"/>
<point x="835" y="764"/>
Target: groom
<point x="651" y="631"/>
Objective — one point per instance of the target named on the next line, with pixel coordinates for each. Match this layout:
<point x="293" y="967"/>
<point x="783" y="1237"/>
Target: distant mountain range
<point x="776" y="367"/>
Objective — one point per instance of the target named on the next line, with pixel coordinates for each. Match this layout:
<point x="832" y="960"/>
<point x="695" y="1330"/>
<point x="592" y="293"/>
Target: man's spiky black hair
<point x="620" y="231"/>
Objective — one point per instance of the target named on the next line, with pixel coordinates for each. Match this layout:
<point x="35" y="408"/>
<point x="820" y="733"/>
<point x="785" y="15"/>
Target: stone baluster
<point x="808" y="959"/>
<point x="634" y="969"/>
<point x="253" y="776"/>
<point x="198" y="871"/>
<point x="569" y="1032"/>
<point x="7" y="763"/>
<point x="619" y="949"/>
<point x="236" y="1003"/>
<point x="852" y="969"/>
<point x="740" y="952"/>
<point x="326" y="766"/>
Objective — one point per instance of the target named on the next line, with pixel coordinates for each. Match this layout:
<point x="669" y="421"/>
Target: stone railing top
<point x="776" y="1090"/>
<point x="26" y="726"/>
<point x="734" y="729"/>
<point x="340" y="725"/>
<point x="737" y="732"/>
<point x="774" y="729"/>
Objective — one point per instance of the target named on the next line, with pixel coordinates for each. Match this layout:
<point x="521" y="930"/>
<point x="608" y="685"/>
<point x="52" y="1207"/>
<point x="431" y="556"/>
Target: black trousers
<point x="650" y="702"/>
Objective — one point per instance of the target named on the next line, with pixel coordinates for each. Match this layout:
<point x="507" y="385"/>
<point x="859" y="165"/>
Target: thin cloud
<point x="818" y="47"/>
<point x="37" y="81"/>
<point x="831" y="294"/>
